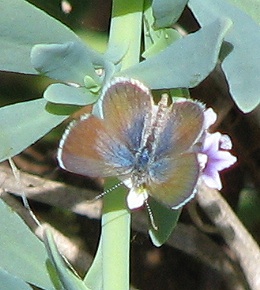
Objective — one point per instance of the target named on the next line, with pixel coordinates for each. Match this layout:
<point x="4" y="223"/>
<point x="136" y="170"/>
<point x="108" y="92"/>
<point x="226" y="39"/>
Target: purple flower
<point x="213" y="155"/>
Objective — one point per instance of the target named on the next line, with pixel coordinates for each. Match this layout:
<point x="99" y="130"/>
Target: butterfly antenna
<point x="26" y="204"/>
<point x="150" y="213"/>
<point x="106" y="191"/>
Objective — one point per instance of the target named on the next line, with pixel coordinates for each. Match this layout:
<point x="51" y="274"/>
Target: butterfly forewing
<point x="127" y="109"/>
<point x="182" y="129"/>
<point x="88" y="148"/>
<point x="100" y="148"/>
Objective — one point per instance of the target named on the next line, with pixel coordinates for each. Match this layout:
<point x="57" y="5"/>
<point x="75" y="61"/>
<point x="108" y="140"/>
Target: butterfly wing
<point x="127" y="109"/>
<point x="172" y="180"/>
<point x="183" y="127"/>
<point x="88" y="148"/>
<point x="101" y="148"/>
<point x="175" y="169"/>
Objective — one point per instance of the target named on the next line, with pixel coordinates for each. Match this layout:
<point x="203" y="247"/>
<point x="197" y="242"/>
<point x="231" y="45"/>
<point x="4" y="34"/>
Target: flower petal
<point x="210" y="117"/>
<point x="225" y="142"/>
<point x="212" y="179"/>
<point x="211" y="143"/>
<point x="222" y="160"/>
<point x="214" y="146"/>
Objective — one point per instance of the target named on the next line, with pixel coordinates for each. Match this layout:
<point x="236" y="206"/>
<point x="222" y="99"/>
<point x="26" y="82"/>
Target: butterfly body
<point x="150" y="147"/>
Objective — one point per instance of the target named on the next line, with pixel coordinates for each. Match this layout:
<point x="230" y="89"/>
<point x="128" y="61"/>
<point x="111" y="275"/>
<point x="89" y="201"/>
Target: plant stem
<point x="125" y="34"/>
<point x="115" y="242"/>
<point x="125" y="30"/>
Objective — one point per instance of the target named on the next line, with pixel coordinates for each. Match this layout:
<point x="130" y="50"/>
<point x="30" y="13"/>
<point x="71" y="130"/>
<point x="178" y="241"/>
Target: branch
<point x="235" y="234"/>
<point x="185" y="238"/>
<point x="53" y="193"/>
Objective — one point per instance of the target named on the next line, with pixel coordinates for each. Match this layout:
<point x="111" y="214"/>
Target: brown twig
<point x="187" y="239"/>
<point x="235" y="234"/>
<point x="51" y="192"/>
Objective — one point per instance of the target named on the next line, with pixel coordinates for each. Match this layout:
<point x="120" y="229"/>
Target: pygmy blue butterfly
<point x="150" y="148"/>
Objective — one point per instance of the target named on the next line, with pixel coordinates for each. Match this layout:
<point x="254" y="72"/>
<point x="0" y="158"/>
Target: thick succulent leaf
<point x="251" y="7"/>
<point x="64" y="94"/>
<point x="68" y="279"/>
<point x="68" y="62"/>
<point x="242" y="65"/>
<point x="165" y="38"/>
<point x="165" y="220"/>
<point x="9" y="281"/>
<point x="156" y="41"/>
<point x="22" y="254"/>
<point x="22" y="25"/>
<point x="24" y="123"/>
<point x="167" y="12"/>
<point x="94" y="276"/>
<point x="186" y="62"/>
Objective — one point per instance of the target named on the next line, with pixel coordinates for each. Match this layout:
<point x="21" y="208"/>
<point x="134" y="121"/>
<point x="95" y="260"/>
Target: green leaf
<point x="125" y="32"/>
<point x="165" y="219"/>
<point x="22" y="25"/>
<point x="94" y="276"/>
<point x="186" y="62"/>
<point x="64" y="94"/>
<point x="68" y="62"/>
<point x="248" y="208"/>
<point x="165" y="38"/>
<point x="242" y="65"/>
<point x="167" y="12"/>
<point x="176" y="94"/>
<point x="251" y="7"/>
<point x="22" y="254"/>
<point x="156" y="41"/>
<point x="53" y="275"/>
<point x="24" y="123"/>
<point x="9" y="281"/>
<point x="68" y="279"/>
<point x="150" y="34"/>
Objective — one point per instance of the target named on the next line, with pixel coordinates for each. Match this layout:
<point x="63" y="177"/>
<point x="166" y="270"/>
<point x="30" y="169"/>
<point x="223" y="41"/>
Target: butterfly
<point x="151" y="148"/>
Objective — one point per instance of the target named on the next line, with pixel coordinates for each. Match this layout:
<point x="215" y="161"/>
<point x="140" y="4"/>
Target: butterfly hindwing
<point x="172" y="180"/>
<point x="174" y="169"/>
